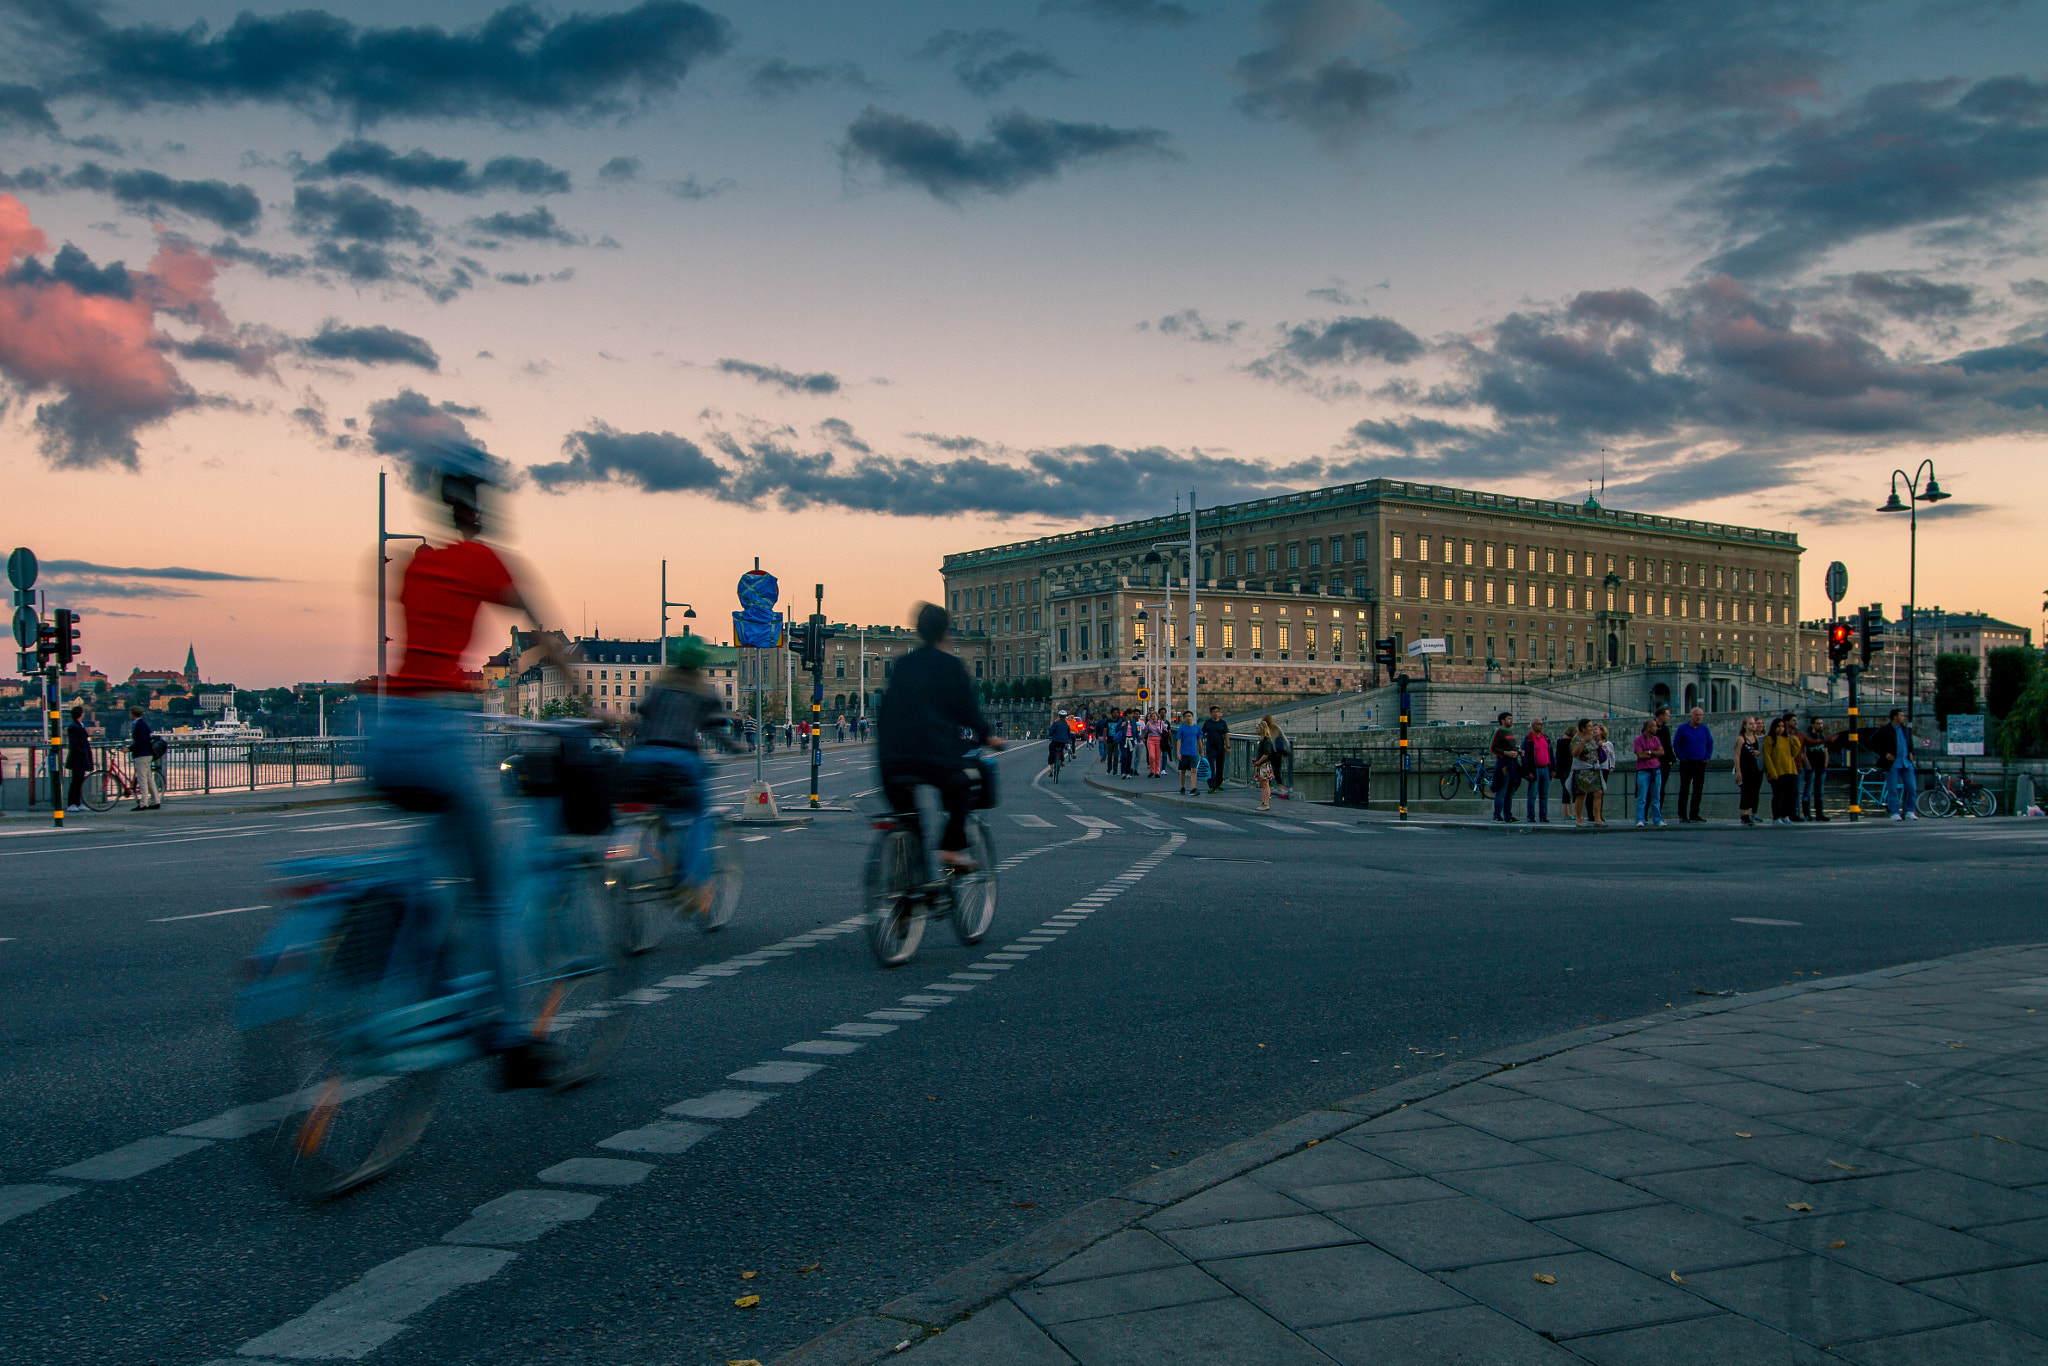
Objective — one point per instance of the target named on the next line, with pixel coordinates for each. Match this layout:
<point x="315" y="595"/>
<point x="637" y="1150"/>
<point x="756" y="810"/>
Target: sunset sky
<point x="849" y="286"/>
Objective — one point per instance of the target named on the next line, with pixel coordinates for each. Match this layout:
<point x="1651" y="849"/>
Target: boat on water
<point x="228" y="729"/>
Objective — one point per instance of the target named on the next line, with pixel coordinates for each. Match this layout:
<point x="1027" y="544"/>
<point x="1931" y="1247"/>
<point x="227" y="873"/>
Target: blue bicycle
<point x="374" y="983"/>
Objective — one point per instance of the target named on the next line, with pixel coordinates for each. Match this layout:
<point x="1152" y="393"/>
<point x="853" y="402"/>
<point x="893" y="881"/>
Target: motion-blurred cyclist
<point x="918" y="729"/>
<point x="424" y="753"/>
<point x="678" y="713"/>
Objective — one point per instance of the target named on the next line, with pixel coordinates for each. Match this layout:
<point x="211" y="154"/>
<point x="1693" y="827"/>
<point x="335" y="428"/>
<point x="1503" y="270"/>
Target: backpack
<point x="158" y="747"/>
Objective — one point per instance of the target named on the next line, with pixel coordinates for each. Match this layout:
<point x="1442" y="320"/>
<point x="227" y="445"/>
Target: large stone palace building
<point x="1291" y="591"/>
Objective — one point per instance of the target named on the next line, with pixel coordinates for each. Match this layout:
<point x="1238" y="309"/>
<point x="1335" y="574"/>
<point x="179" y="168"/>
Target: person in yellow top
<point x="1784" y="756"/>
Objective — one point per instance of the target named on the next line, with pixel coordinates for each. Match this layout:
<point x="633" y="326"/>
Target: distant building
<point x="782" y="677"/>
<point x="1936" y="632"/>
<point x="191" y="667"/>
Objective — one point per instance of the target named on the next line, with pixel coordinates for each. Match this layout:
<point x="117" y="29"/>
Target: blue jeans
<point x="429" y="750"/>
<point x="1812" y="787"/>
<point x="1539" y="794"/>
<point x="1505" y="771"/>
<point x="1650" y="796"/>
<point x="681" y="772"/>
<point x="1900" y="789"/>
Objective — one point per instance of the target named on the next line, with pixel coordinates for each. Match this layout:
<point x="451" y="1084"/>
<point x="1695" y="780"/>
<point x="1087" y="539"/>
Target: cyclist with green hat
<point x="679" y="711"/>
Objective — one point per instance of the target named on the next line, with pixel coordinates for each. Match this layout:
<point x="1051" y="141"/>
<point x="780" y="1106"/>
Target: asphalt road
<point x="1228" y="979"/>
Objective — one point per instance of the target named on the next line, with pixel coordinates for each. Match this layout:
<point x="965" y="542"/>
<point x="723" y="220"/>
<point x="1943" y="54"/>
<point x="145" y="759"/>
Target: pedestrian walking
<point x="1649" y="774"/>
<point x="1693" y="743"/>
<point x="77" y="757"/>
<point x="1894" y="746"/>
<point x="1813" y="777"/>
<point x="1585" y="750"/>
<point x="1536" y="765"/>
<point x="142" y="743"/>
<point x="1784" y="753"/>
<point x="1507" y="760"/>
<point x="1216" y="745"/>
<point x="1266" y="760"/>
<point x="1749" y="768"/>
<point x="1155" y="738"/>
<point x="1188" y="750"/>
<point x="1604" y="757"/>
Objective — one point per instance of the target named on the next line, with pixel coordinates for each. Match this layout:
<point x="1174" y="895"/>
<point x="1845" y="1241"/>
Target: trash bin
<point x="1354" y="783"/>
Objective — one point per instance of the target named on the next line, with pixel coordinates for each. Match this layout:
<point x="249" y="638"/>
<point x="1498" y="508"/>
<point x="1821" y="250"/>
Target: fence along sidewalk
<point x="197" y="767"/>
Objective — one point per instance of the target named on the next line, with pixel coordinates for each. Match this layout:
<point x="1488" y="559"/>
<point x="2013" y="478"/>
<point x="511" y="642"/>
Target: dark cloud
<point x="1190" y="324"/>
<point x="375" y="345"/>
<point x="1717" y="389"/>
<point x="1912" y="297"/>
<point x="233" y="207"/>
<point x="73" y="267"/>
<point x="1347" y="341"/>
<point x="777" y="79"/>
<point x="422" y="170"/>
<point x="1017" y="149"/>
<point x="22" y="111"/>
<point x="169" y="572"/>
<point x="515" y="66"/>
<point x="954" y="444"/>
<point x="90" y="587"/>
<point x="351" y="213"/>
<point x="1904" y="156"/>
<point x="692" y="190"/>
<point x="1303" y="76"/>
<point x="789" y="381"/>
<point x="537" y="224"/>
<point x="1126" y="13"/>
<point x="653" y="462"/>
<point x="619" y="171"/>
<point x="987" y="61"/>
<point x="840" y="432"/>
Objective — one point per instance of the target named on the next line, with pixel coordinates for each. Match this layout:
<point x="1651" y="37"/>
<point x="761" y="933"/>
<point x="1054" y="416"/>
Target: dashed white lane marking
<point x="1031" y="822"/>
<point x="861" y="1029"/>
<point x="778" y="1072"/>
<point x="359" y="1318"/>
<point x="522" y="1216"/>
<point x="925" y="1000"/>
<point x="598" y="1171"/>
<point x="1095" y="822"/>
<point x="721" y="1105"/>
<point x="16" y="1201"/>
<point x="664" y="1136"/>
<point x="207" y="915"/>
<point x="1760" y="920"/>
<point x="752" y="839"/>
<point x="1211" y="823"/>
<point x="133" y="1159"/>
<point x="822" y="1046"/>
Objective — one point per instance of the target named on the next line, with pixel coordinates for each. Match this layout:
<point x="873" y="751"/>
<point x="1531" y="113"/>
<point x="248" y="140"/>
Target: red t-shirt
<point x="440" y="595"/>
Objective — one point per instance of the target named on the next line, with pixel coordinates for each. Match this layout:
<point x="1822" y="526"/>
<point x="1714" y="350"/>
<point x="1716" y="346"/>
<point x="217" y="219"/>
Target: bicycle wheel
<point x="581" y="941"/>
<point x="1982" y="802"/>
<point x="330" y="1117"/>
<point x="889" y="885"/>
<point x="726" y="868"/>
<point x="1935" y="801"/>
<point x="97" y="793"/>
<point x="974" y="894"/>
<point x="1482" y="782"/>
<point x="1447" y="784"/>
<point x="639" y="872"/>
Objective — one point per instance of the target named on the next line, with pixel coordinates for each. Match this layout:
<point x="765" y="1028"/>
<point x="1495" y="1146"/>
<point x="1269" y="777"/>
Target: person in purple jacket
<point x="1693" y="743"/>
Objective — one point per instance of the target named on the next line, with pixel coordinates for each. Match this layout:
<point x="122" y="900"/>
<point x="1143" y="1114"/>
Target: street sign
<point x="1838" y="581"/>
<point x="21" y="567"/>
<point x="25" y="624"/>
<point x="1144" y="694"/>
<point x="1435" y="645"/>
<point x="1965" y="735"/>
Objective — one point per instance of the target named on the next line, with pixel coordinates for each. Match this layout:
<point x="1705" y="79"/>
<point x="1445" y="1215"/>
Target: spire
<point x="191" y="666"/>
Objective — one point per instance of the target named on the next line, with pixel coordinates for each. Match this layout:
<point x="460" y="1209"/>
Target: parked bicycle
<point x="644" y="864"/>
<point x="373" y="984"/>
<point x="1465" y="768"/>
<point x="107" y="784"/>
<point x="899" y="890"/>
<point x="1956" y="794"/>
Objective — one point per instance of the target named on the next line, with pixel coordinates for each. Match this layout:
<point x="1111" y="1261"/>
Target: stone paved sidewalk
<point x="1854" y="1170"/>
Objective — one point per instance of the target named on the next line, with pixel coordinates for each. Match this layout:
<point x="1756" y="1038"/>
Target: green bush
<point x="2024" y="730"/>
<point x="2007" y="674"/>
<point x="1955" y="686"/>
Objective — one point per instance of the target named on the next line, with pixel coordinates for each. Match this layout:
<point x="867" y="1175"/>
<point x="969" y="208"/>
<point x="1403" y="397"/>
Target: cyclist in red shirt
<point x="425" y="753"/>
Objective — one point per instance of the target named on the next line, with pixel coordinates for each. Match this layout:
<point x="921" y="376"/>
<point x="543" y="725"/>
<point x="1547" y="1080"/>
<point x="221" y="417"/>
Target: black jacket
<point x="77" y="747"/>
<point x="929" y="702"/>
<point x="141" y="739"/>
<point x="1216" y="735"/>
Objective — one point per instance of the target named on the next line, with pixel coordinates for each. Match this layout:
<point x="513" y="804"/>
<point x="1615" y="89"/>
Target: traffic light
<point x="1870" y="629"/>
<point x="814" y="642"/>
<point x="1838" y="644"/>
<point x="46" y="644"/>
<point x="1386" y="652"/>
<point x="66" y="632"/>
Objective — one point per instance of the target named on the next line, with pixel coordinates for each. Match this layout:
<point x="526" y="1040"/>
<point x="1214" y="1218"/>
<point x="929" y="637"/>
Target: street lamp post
<point x="1916" y="495"/>
<point x="689" y="614"/>
<point x="384" y="539"/>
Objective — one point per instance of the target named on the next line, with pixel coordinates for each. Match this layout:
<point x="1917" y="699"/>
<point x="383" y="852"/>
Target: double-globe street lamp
<point x="1915" y="495"/>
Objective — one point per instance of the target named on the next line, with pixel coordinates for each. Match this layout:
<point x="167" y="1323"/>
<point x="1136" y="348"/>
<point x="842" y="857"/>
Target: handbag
<point x="1202" y="770"/>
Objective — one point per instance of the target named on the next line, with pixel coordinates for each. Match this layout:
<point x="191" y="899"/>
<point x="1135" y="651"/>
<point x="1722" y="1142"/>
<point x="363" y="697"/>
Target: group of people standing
<point x="1793" y="762"/>
<point x="1160" y="742"/>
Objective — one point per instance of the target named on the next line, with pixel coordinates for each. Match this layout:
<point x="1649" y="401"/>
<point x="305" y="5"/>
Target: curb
<point x="910" y="1319"/>
<point x="172" y="808"/>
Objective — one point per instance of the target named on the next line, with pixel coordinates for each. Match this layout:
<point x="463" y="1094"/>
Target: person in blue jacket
<point x="1693" y="743"/>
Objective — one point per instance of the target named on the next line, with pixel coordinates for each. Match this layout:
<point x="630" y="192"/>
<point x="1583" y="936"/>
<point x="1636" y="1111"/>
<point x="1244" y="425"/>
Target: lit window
<point x="1398" y="587"/>
<point x="1489" y="554"/>
<point x="1396" y="544"/>
<point x="1258" y="636"/>
<point x="1229" y="635"/>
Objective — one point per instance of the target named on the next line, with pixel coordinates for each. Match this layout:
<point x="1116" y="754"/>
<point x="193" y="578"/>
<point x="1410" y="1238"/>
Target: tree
<point x="556" y="708"/>
<point x="2024" y="730"/>
<point x="1955" y="686"/>
<point x="2007" y="674"/>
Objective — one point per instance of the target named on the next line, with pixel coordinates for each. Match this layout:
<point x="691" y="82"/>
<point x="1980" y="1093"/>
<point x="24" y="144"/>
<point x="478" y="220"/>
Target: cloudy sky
<point x="847" y="286"/>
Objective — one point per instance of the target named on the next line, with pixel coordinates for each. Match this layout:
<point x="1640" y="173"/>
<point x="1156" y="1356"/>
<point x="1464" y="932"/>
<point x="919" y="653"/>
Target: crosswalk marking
<point x="1032" y="822"/>
<point x="1337" y="825"/>
<point x="1211" y="823"/>
<point x="1151" y="822"/>
<point x="1282" y="826"/>
<point x="1095" y="822"/>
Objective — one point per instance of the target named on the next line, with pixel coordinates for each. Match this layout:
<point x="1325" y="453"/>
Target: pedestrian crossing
<point x="1148" y="823"/>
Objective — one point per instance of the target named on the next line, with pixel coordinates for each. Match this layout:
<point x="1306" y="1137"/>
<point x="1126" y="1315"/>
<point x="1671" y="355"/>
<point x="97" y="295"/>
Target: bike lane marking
<point x="207" y="915"/>
<point x="364" y="1315"/>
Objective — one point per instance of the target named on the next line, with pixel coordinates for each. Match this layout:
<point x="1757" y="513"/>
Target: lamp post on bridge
<point x="1916" y="495"/>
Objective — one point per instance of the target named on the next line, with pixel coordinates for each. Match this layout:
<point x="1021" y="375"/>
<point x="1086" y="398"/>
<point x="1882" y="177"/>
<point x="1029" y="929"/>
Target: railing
<point x="198" y="767"/>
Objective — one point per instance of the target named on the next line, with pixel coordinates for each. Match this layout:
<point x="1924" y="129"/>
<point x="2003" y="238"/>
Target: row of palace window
<point x="987" y="595"/>
<point x="1361" y="549"/>
<point x="1513" y="594"/>
<point x="1682" y="573"/>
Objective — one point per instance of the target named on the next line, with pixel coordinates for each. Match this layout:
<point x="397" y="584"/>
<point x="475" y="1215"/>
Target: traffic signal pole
<point x="1402" y="680"/>
<point x="814" y="651"/>
<point x="1855" y="784"/>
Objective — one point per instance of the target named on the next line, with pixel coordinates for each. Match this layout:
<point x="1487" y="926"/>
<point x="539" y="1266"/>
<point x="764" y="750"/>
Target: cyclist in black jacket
<point x="918" y="728"/>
